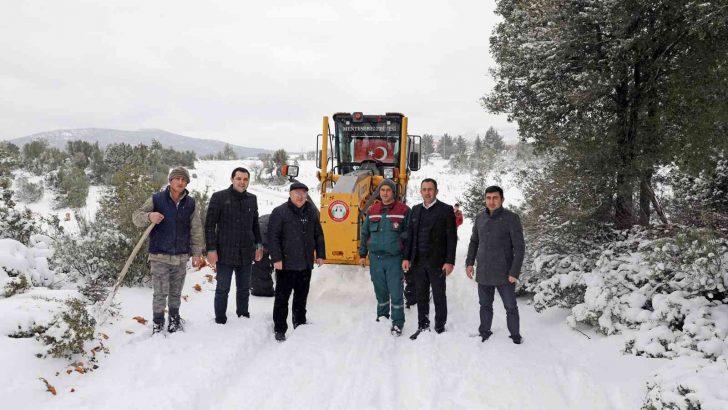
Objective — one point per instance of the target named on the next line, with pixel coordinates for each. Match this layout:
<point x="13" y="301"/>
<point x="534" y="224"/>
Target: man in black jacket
<point x="497" y="246"/>
<point x="294" y="234"/>
<point x="430" y="253"/>
<point x="233" y="238"/>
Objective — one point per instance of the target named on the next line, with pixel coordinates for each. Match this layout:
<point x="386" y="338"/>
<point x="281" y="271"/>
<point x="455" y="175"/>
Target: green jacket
<point x="384" y="230"/>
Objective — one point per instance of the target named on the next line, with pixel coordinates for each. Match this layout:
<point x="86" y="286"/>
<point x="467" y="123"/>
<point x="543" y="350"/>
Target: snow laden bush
<point x="92" y="258"/>
<point x="70" y="329"/>
<point x="14" y="283"/>
<point x="27" y="191"/>
<point x="661" y="290"/>
<point x="701" y="200"/>
<point x="31" y="262"/>
<point x="689" y="384"/>
<point x="15" y="223"/>
<point x="65" y="334"/>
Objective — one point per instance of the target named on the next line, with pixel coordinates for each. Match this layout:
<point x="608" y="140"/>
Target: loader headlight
<point x="388" y="173"/>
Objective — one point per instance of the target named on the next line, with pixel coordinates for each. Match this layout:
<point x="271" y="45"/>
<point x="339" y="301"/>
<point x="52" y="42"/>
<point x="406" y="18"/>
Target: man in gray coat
<point x="497" y="247"/>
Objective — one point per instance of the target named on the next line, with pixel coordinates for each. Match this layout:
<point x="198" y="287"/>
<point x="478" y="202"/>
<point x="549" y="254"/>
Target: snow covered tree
<point x="227" y="153"/>
<point x="446" y="146"/>
<point x="427" y="144"/>
<point x="32" y="153"/>
<point x="473" y="201"/>
<point x="72" y="187"/>
<point x="131" y="186"/>
<point x="615" y="73"/>
<point x="459" y="160"/>
<point x="493" y="141"/>
<point x="701" y="200"/>
<point x="9" y="158"/>
<point x="15" y="223"/>
<point x="27" y="191"/>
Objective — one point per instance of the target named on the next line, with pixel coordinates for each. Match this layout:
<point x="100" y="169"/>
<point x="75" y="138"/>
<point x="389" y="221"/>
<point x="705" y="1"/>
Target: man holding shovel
<point x="177" y="234"/>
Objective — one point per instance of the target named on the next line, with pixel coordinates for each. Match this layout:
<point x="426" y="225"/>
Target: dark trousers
<point x="242" y="291"/>
<point x="426" y="277"/>
<point x="508" y="296"/>
<point x="287" y="281"/>
<point x="410" y="295"/>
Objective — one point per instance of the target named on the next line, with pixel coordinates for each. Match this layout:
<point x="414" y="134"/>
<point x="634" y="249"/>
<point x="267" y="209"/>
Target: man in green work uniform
<point x="382" y="236"/>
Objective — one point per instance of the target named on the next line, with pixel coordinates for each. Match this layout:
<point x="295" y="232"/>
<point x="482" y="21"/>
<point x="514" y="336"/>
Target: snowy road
<point x="344" y="359"/>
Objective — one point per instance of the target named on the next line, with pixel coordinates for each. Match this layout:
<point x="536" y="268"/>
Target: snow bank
<point x="32" y="262"/>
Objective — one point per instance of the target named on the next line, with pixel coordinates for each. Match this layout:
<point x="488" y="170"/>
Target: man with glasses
<point x="295" y="242"/>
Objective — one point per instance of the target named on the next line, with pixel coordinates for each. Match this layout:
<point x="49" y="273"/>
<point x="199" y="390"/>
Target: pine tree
<point x="72" y="187"/>
<point x="460" y="157"/>
<point x="427" y="144"/>
<point x="493" y="141"/>
<point x="612" y="76"/>
<point x="445" y="146"/>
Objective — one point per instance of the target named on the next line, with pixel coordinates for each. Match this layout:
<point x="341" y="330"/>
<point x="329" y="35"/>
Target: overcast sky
<point x="259" y="75"/>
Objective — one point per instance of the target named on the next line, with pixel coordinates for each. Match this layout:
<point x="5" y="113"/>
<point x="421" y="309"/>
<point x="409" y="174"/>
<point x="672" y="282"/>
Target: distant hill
<point x="106" y="137"/>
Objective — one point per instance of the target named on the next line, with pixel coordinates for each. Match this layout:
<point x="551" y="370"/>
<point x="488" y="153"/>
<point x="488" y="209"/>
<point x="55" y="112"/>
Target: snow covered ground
<point x="342" y="359"/>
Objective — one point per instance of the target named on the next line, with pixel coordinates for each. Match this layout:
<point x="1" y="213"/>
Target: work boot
<point x="396" y="330"/>
<point x="157" y="327"/>
<point x="175" y="324"/>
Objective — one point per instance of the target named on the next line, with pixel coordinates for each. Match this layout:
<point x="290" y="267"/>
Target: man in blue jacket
<point x="382" y="237"/>
<point x="177" y="235"/>
<point x="497" y="249"/>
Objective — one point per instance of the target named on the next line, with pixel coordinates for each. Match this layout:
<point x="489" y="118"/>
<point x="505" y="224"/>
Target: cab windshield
<point x="367" y="141"/>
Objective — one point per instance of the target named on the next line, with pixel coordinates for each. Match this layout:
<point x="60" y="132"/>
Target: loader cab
<point x="367" y="142"/>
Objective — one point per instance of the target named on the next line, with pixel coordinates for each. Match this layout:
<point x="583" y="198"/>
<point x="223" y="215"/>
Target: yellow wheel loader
<point x="361" y="152"/>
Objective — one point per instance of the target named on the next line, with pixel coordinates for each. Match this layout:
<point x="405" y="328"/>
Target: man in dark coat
<point x="233" y="239"/>
<point x="497" y="248"/>
<point x="177" y="235"/>
<point x="430" y="253"/>
<point x="295" y="242"/>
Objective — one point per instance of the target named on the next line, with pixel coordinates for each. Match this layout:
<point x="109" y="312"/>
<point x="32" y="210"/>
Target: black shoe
<point x="158" y="327"/>
<point x="245" y="314"/>
<point x="439" y="329"/>
<point x="297" y="324"/>
<point x="280" y="337"/>
<point x="396" y="331"/>
<point x="175" y="324"/>
<point x="419" y="330"/>
<point x="516" y="339"/>
<point x="221" y="320"/>
<point x="485" y="336"/>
